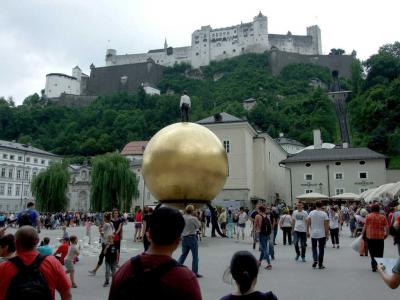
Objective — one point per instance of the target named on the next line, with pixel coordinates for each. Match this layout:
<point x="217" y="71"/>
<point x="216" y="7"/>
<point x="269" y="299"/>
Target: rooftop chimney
<point x="345" y="145"/>
<point x="281" y="134"/>
<point x="317" y="139"/>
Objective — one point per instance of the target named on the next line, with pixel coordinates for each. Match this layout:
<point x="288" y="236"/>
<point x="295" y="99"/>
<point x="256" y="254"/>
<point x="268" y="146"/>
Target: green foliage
<point x="49" y="188"/>
<point x="113" y="184"/>
<point x="394" y="163"/>
<point x="375" y="111"/>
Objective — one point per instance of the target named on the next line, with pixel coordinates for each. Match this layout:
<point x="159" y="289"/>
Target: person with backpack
<point x="29" y="216"/>
<point x="263" y="227"/>
<point x="155" y="274"/>
<point x="30" y="275"/>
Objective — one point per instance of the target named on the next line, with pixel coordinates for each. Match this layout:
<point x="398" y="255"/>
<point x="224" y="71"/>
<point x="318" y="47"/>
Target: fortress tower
<point x="260" y="29"/>
<point x="315" y="32"/>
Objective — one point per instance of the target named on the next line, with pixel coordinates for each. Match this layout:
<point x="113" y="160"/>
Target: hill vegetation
<point x="293" y="103"/>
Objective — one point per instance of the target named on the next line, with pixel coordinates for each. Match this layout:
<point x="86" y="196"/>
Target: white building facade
<point x="253" y="157"/>
<point x="78" y="192"/>
<point x="208" y="44"/>
<point x="19" y="164"/>
<point x="59" y="83"/>
<point x="336" y="171"/>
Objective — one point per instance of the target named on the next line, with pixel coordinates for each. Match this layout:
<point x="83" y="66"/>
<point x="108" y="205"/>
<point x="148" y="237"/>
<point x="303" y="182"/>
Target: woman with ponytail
<point x="244" y="270"/>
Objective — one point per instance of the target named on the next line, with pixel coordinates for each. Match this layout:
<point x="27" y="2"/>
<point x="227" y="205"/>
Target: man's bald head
<point x="26" y="238"/>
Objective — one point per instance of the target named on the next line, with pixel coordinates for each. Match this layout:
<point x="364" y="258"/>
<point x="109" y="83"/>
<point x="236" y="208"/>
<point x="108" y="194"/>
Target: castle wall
<point x="341" y="63"/>
<point x="292" y="43"/>
<point x="57" y="83"/>
<point x="165" y="57"/>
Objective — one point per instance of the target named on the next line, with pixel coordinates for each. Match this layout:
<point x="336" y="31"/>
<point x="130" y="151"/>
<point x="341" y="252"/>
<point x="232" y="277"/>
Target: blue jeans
<point x="229" y="230"/>
<point x="318" y="254"/>
<point x="189" y="243"/>
<point x="264" y="241"/>
<point x="302" y="238"/>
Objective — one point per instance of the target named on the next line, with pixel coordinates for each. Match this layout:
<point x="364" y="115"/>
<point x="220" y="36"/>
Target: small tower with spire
<point x="165" y="44"/>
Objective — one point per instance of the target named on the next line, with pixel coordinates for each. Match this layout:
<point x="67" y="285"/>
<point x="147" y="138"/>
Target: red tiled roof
<point x="134" y="148"/>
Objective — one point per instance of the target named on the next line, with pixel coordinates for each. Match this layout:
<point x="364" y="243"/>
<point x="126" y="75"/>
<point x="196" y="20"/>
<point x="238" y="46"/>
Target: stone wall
<point x="279" y="60"/>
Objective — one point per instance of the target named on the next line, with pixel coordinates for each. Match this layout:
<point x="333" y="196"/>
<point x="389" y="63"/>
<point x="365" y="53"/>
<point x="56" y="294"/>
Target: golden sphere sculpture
<point x="185" y="163"/>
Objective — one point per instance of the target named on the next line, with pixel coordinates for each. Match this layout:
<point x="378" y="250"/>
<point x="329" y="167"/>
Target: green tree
<point x="49" y="188"/>
<point x="113" y="183"/>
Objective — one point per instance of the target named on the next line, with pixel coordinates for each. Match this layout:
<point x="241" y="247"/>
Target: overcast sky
<point x="43" y="36"/>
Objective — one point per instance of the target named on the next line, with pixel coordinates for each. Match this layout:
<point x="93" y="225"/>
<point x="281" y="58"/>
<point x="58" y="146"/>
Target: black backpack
<point x="29" y="282"/>
<point x="266" y="226"/>
<point x="146" y="284"/>
<point x="24" y="218"/>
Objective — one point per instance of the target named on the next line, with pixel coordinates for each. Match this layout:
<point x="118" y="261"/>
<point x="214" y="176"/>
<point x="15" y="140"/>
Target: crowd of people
<point x="29" y="265"/>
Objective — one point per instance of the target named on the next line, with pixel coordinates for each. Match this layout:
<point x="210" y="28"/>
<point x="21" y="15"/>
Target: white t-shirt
<point x="242" y="218"/>
<point x="333" y="220"/>
<point x="286" y="220"/>
<point x="318" y="218"/>
<point x="72" y="252"/>
<point x="185" y="99"/>
<point x="300" y="220"/>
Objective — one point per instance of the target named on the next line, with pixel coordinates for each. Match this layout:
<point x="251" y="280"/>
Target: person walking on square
<point x="299" y="231"/>
<point x="318" y="222"/>
<point x="185" y="105"/>
<point x="263" y="227"/>
<point x="189" y="240"/>
<point x="241" y="224"/>
<point x="286" y="225"/>
<point x="73" y="252"/>
<point x="376" y="229"/>
<point x="110" y="255"/>
<point x="334" y="220"/>
<point x="229" y="224"/>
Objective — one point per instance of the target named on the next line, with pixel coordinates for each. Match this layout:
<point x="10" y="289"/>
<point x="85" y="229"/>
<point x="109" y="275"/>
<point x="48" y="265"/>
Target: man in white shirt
<point x="185" y="106"/>
<point x="300" y="231"/>
<point x="241" y="224"/>
<point x="318" y="221"/>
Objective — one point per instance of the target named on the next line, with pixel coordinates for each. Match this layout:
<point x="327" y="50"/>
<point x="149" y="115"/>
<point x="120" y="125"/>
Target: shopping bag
<point x="356" y="244"/>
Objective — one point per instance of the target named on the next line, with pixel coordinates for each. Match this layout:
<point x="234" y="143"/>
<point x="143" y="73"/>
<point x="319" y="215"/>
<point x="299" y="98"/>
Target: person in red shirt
<point x="62" y="250"/>
<point x="169" y="280"/>
<point x="26" y="240"/>
<point x="376" y="229"/>
<point x="138" y="225"/>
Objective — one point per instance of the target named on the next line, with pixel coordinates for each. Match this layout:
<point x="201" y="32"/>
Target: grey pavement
<point x="347" y="275"/>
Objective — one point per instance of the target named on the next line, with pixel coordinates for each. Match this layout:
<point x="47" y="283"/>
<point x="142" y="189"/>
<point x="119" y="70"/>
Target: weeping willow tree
<point x="113" y="184"/>
<point x="49" y="188"/>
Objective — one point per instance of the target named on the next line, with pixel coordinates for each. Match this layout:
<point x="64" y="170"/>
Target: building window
<point x="10" y="173"/>
<point x="5" y="156"/>
<point x="363" y="175"/>
<point x="338" y="163"/>
<point x="308" y="177"/>
<point x="35" y="160"/>
<point x="34" y="174"/>
<point x="9" y="190"/>
<point x="3" y="172"/>
<point x="43" y="162"/>
<point x="2" y="187"/>
<point x="227" y="146"/>
<point x="19" y="158"/>
<point x="12" y="157"/>
<point x="224" y="52"/>
<point x="28" y="159"/>
<point x="308" y="191"/>
<point x="339" y="176"/>
<point x="362" y="190"/>
<point x="25" y="190"/>
<point x="26" y="174"/>
<point x="17" y="190"/>
<point x="308" y="165"/>
<point x="339" y="191"/>
<point x="362" y="162"/>
<point x="18" y="174"/>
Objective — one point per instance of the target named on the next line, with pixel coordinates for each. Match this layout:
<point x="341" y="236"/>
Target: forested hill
<point x="291" y="103"/>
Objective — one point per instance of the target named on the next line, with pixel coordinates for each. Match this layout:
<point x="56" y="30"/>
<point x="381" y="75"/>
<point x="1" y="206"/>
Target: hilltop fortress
<point x="217" y="44"/>
<point x="126" y="73"/>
